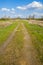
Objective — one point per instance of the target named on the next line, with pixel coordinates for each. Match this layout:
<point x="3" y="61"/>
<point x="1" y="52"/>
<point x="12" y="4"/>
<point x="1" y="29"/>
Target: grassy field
<point x="36" y="33"/>
<point x="19" y="51"/>
<point x="6" y="31"/>
<point x="14" y="49"/>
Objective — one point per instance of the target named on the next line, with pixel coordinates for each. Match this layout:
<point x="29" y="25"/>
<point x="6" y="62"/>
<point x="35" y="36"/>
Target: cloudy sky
<point x="21" y="8"/>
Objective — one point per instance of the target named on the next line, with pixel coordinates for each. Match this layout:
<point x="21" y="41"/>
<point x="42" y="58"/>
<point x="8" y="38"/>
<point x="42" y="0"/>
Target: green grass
<point x="13" y="51"/>
<point x="36" y="33"/>
<point x="6" y="31"/>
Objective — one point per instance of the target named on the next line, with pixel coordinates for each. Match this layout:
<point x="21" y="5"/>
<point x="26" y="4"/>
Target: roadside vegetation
<point x="6" y="31"/>
<point x="13" y="52"/>
<point x="36" y="33"/>
<point x="16" y="50"/>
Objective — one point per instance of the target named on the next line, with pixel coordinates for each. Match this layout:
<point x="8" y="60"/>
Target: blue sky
<point x="21" y="8"/>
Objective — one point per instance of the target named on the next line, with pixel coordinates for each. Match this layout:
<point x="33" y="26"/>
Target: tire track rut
<point x="29" y="51"/>
<point x="3" y="47"/>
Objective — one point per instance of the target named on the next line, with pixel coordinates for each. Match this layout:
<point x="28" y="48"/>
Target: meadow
<point x="6" y="30"/>
<point x="36" y="33"/>
<point x="25" y="46"/>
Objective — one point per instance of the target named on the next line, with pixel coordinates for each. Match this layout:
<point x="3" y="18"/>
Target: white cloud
<point x="5" y="9"/>
<point x="22" y="8"/>
<point x="34" y="4"/>
<point x="13" y="9"/>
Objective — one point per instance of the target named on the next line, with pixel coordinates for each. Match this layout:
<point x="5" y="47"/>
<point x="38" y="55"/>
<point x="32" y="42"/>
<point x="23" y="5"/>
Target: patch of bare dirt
<point x="36" y="22"/>
<point x="5" y="24"/>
